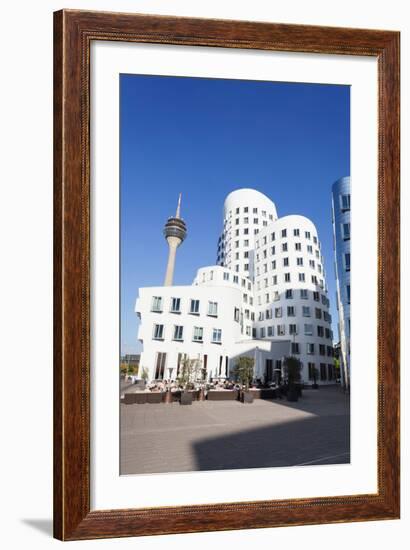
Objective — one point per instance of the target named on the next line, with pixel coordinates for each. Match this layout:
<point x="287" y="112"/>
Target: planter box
<point x="264" y="394"/>
<point x="154" y="397"/>
<point x="140" y="398"/>
<point x="292" y="394"/>
<point x="129" y="398"/>
<point x="227" y="395"/>
<point x="186" y="398"/>
<point x="247" y="397"/>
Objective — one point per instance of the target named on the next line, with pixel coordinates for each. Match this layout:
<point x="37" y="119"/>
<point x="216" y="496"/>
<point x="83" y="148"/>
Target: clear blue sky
<point x="205" y="138"/>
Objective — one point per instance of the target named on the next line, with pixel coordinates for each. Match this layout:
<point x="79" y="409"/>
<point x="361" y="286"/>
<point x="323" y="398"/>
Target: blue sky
<point x="205" y="138"/>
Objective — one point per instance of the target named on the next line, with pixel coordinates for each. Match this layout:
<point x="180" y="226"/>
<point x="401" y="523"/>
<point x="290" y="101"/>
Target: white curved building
<point x="267" y="298"/>
<point x="245" y="213"/>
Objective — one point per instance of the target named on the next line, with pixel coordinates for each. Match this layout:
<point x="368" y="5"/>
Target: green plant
<point x="244" y="371"/>
<point x="144" y="373"/>
<point x="292" y="367"/>
<point x="189" y="372"/>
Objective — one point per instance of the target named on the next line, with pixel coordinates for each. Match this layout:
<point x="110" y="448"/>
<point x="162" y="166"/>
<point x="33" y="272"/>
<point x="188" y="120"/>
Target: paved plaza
<point x="223" y="435"/>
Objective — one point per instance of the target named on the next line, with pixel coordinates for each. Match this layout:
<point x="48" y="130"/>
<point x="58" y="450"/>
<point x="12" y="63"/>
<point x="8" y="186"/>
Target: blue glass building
<point x="341" y="244"/>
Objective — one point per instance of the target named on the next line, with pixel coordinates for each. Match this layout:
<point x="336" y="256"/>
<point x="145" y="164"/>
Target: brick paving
<point x="228" y="435"/>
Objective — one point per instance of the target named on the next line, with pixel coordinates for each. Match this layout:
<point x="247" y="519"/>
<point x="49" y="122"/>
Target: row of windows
<point x="158" y="333"/>
<point x="278" y="312"/>
<point x="303" y="293"/>
<point x="254" y="210"/>
<point x="301" y="277"/>
<point x="284" y="235"/>
<point x="324" y="373"/>
<point x="175" y="306"/>
<point x="293" y="329"/>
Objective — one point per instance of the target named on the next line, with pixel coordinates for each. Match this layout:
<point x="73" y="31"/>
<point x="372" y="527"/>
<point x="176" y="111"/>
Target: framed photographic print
<point x="226" y="288"/>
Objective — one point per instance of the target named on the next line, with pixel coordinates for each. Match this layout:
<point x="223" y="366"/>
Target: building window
<point x="314" y="279"/>
<point x="235" y="279"/>
<point x="287" y="277"/>
<point x="283" y="233"/>
<point x="312" y="264"/>
<point x="316" y="296"/>
<point x="301" y="277"/>
<point x="291" y="311"/>
<point x="303" y="293"/>
<point x="306" y="311"/>
<point x="293" y="329"/>
<point x="299" y="261"/>
<point x="255" y="220"/>
<point x="345" y="202"/>
<point x="213" y="309"/>
<point x="273" y="264"/>
<point x="156" y="304"/>
<point x="296" y="232"/>
<point x="246" y="267"/>
<point x="246" y="209"/>
<point x="315" y="240"/>
<point x="346" y="231"/>
<point x="286" y="262"/>
<point x="262" y="332"/>
<point x="268" y="314"/>
<point x="216" y="335"/>
<point x="307" y="234"/>
<point x="295" y="347"/>
<point x="272" y="250"/>
<point x="276" y="296"/>
<point x="320" y="331"/>
<point x="178" y="332"/>
<point x="278" y="312"/>
<point x="318" y="313"/>
<point x="175" y="305"/>
<point x="255" y="210"/>
<point x="194" y="307"/>
<point x="284" y="247"/>
<point x="246" y="232"/>
<point x="323" y="373"/>
<point x="246" y="243"/>
<point x="246" y="220"/>
<point x="226" y="276"/>
<point x="298" y="246"/>
<point x="160" y="365"/>
<point x="310" y="249"/>
<point x="261" y="316"/>
<point x="311" y="371"/>
<point x="310" y="349"/>
<point x="158" y="332"/>
<point x="275" y="280"/>
<point x="236" y="314"/>
<point x="237" y="221"/>
<point x="267" y="298"/>
<point x="271" y="331"/>
<point x="347" y="261"/>
<point x="348" y="293"/>
<point x="330" y="372"/>
<point x="281" y="330"/>
<point x="308" y="330"/>
<point x="272" y="236"/>
<point x="198" y="334"/>
<point x="322" y="349"/>
<point x="289" y="294"/>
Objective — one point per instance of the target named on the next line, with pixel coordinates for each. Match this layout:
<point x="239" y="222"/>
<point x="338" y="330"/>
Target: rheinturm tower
<point x="175" y="233"/>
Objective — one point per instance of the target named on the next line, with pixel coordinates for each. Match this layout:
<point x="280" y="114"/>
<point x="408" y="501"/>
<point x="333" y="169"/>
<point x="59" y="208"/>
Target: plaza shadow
<point x="314" y="440"/>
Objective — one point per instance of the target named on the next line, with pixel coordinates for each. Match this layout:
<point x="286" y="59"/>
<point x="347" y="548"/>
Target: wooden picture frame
<point x="74" y="32"/>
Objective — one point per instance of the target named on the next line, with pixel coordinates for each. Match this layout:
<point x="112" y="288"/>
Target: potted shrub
<point x="292" y="367"/>
<point x="315" y="374"/>
<point x="188" y="373"/>
<point x="244" y="373"/>
<point x="144" y="375"/>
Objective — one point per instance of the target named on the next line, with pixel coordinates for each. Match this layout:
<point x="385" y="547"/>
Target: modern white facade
<point x="341" y="244"/>
<point x="267" y="298"/>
